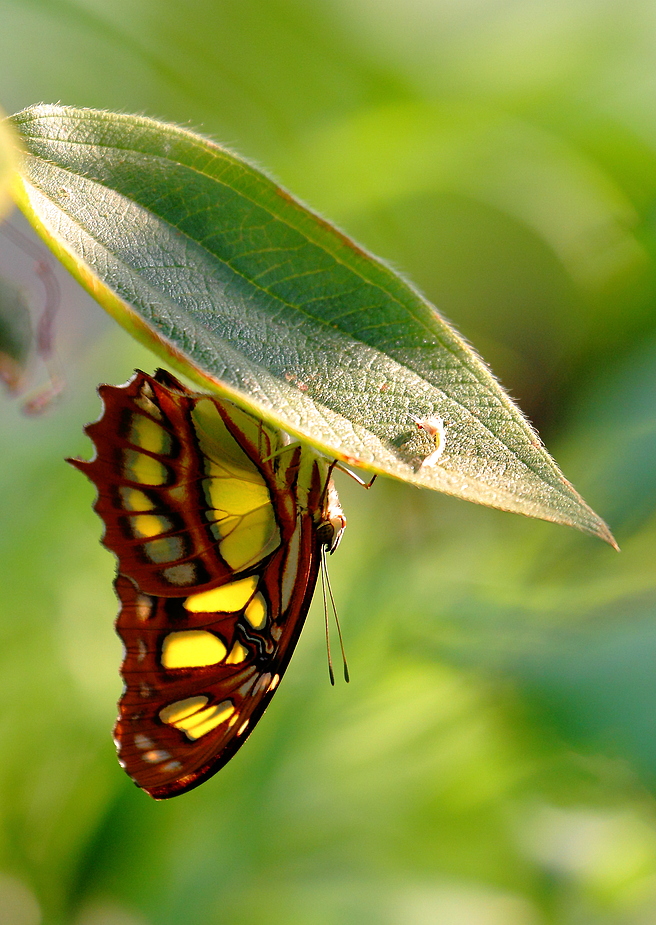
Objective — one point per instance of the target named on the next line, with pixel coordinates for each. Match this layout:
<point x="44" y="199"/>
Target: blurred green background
<point x="493" y="761"/>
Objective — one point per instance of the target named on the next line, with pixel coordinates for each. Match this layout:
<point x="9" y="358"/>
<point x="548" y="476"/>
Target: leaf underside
<point x="248" y="293"/>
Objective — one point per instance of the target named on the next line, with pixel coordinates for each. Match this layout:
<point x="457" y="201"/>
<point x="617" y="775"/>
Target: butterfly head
<point x="333" y="520"/>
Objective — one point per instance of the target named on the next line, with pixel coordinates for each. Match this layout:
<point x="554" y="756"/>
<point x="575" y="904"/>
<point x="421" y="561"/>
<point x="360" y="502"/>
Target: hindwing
<point x="217" y="524"/>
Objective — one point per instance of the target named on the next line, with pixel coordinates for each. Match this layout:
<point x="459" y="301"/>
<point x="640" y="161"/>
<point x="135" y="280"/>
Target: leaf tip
<point x="604" y="534"/>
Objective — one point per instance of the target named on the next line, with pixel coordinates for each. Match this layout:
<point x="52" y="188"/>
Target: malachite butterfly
<point x="219" y="523"/>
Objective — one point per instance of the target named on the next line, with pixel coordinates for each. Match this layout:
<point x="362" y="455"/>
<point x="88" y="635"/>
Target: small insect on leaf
<point x="435" y="427"/>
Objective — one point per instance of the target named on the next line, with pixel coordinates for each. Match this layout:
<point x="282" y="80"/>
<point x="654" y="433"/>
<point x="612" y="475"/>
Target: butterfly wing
<point x="197" y="681"/>
<point x="218" y="530"/>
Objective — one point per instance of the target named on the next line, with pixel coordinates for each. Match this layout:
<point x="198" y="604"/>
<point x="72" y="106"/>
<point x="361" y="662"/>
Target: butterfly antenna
<point x="325" y="614"/>
<point x="347" y="677"/>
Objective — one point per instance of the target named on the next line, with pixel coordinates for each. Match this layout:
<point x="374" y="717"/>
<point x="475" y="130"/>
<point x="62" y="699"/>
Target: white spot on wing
<point x="171" y="766"/>
<point x="156" y="756"/>
<point x="142" y="741"/>
<point x="263" y="681"/>
<point x="143" y="606"/>
<point x="244" y="689"/>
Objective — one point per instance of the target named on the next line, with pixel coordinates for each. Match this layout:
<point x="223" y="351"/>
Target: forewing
<point x="185" y="505"/>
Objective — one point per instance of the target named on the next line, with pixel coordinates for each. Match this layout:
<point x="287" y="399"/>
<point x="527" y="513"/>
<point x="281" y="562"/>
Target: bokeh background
<point x="493" y="761"/>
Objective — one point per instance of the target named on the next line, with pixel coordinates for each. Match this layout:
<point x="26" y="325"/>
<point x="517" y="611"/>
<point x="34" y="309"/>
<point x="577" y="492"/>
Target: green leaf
<point x="240" y="287"/>
<point x="8" y="152"/>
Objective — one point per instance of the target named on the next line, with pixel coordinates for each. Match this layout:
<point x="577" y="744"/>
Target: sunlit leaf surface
<point x="237" y="284"/>
<point x="8" y="151"/>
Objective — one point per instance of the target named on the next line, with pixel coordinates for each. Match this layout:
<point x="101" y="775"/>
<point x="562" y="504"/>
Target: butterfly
<point x="219" y="524"/>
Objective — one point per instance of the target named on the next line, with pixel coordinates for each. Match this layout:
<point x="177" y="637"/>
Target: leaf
<point x="240" y="287"/>
<point x="8" y="151"/>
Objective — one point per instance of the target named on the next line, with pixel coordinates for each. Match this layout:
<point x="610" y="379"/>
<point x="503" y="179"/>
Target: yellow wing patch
<point x="188" y="716"/>
<point x="197" y="723"/>
<point x="225" y="599"/>
<point x="234" y="495"/>
<point x="239" y="503"/>
<point x="146" y="470"/>
<point x="216" y="441"/>
<point x="135" y="500"/>
<point x="210" y="718"/>
<point x="150" y="436"/>
<point x="242" y="519"/>
<point x="256" y="612"/>
<point x="146" y="525"/>
<point x="192" y="649"/>
<point x="238" y="654"/>
<point x="174" y="712"/>
<point x="255" y="536"/>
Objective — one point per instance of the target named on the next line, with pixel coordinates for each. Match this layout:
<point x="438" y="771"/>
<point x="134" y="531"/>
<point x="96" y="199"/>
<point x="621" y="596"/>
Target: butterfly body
<point x="218" y="524"/>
